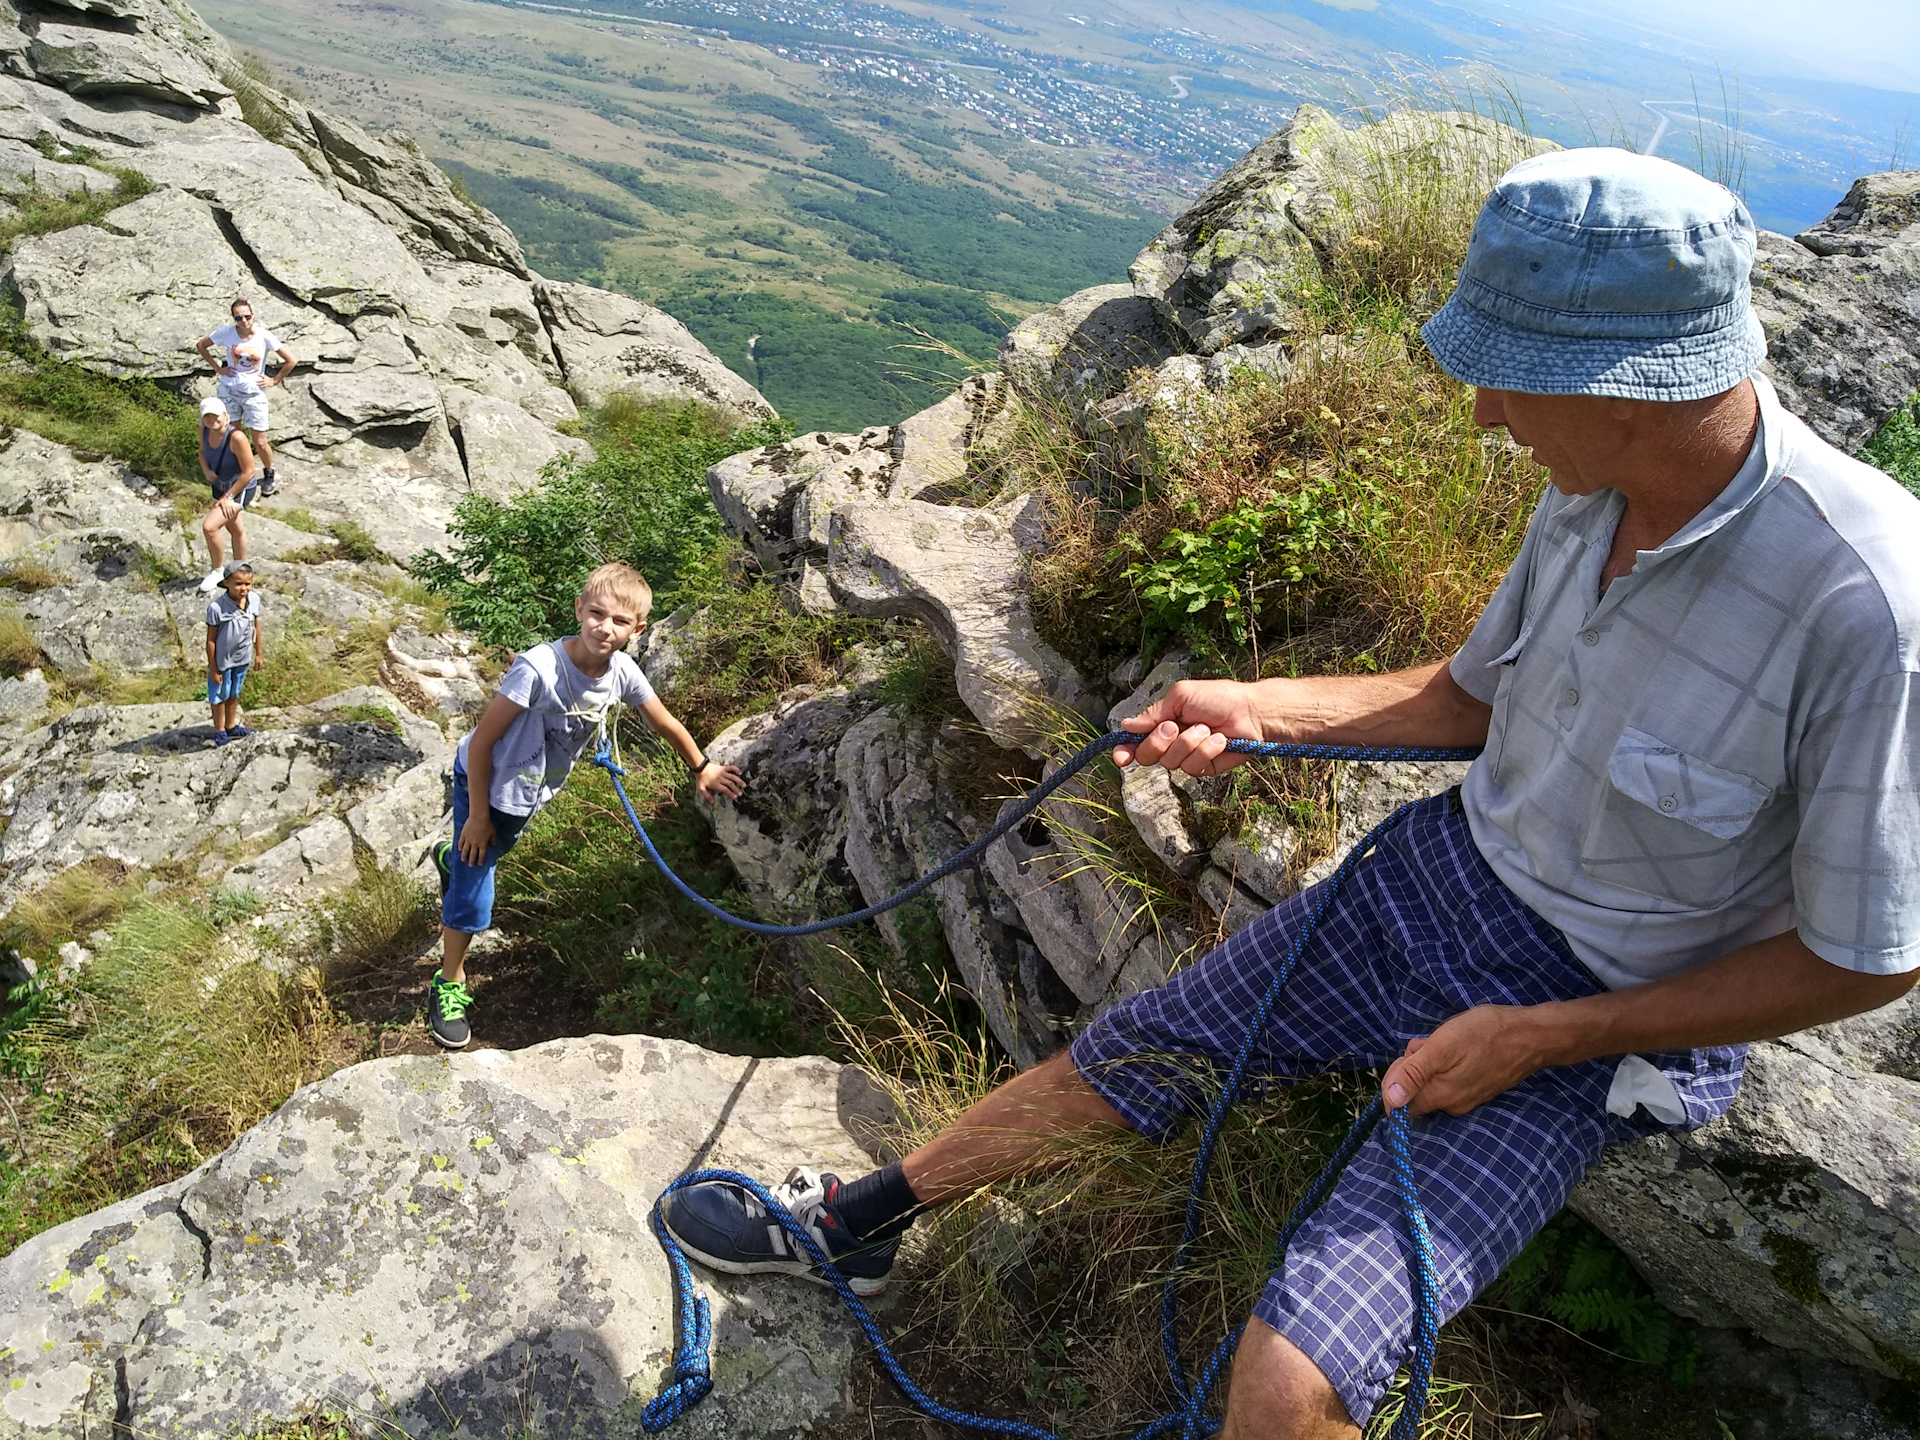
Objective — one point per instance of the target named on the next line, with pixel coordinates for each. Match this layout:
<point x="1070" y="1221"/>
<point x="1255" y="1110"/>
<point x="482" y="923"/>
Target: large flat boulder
<point x="1080" y="350"/>
<point x="452" y="1243"/>
<point x="608" y="342"/>
<point x="89" y="61"/>
<point x="144" y="785"/>
<point x="505" y="449"/>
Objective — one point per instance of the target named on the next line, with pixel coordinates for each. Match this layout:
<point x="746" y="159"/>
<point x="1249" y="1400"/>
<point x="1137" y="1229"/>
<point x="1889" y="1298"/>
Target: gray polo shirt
<point x="1718" y="749"/>
<point x="234" y="627"/>
<point x="562" y="713"/>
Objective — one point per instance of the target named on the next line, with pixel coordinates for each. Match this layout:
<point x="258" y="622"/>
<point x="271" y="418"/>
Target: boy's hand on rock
<point x="475" y="836"/>
<point x="1188" y="728"/>
<point x="719" y="780"/>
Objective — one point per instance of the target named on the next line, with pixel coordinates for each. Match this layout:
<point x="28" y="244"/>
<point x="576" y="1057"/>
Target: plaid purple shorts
<point x="1422" y="931"/>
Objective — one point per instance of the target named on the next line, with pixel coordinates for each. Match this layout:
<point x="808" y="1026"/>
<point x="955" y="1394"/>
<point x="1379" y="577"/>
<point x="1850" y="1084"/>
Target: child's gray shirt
<point x="563" y="709"/>
<point x="233" y="645"/>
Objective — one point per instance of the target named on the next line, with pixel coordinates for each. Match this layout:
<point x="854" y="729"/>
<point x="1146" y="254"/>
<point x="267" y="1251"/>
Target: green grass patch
<point x="149" y="427"/>
<point x="1896" y="447"/>
<point x="515" y="566"/>
<point x="156" y="1056"/>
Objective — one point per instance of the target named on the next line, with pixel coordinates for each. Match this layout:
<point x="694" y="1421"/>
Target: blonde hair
<point x="622" y="583"/>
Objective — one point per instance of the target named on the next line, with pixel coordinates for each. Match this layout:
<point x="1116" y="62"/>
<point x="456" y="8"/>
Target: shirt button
<point x="1572" y="697"/>
<point x="1667" y="803"/>
<point x="1590" y="637"/>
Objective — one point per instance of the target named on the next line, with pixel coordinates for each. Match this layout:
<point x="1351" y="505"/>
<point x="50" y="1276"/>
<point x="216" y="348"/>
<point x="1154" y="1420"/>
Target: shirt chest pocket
<point x="1670" y="824"/>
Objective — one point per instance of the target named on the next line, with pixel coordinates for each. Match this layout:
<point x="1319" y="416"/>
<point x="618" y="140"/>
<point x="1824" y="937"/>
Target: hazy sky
<point x="1872" y="42"/>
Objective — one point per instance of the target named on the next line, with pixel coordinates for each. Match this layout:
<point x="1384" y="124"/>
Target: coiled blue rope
<point x="693" y="1325"/>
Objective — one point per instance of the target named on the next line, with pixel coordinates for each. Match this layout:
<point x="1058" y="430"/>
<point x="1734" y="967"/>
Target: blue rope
<point x="693" y="1326"/>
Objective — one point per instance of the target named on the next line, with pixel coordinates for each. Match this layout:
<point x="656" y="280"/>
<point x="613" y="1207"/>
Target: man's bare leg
<point x="1016" y="1130"/>
<point x="1277" y="1393"/>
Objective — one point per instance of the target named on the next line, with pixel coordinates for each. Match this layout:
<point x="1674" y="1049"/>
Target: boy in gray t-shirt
<point x="236" y="644"/>
<point x="547" y="711"/>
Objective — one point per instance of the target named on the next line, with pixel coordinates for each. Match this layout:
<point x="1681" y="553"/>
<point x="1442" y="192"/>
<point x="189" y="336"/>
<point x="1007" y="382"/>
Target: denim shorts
<point x="1421" y="932"/>
<point x="227" y="687"/>
<point x="468" y="907"/>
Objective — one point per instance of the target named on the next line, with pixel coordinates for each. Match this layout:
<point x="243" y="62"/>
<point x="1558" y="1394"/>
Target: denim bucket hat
<point x="1602" y="272"/>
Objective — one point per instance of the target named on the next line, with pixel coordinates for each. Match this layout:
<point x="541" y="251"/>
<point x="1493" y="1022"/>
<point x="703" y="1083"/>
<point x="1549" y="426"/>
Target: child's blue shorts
<point x="227" y="687"/>
<point x="1422" y="931"/>
<point x="468" y="907"/>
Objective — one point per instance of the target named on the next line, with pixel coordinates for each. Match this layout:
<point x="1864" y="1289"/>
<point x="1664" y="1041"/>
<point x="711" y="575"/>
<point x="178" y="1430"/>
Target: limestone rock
<point x="665" y="646"/>
<point x="786" y="835"/>
<point x="331" y="253"/>
<point x="439" y="669"/>
<point x="397" y="826"/>
<point x="1838" y="308"/>
<point x="504" y="447"/>
<point x="378" y="397"/>
<point x="142" y="784"/>
<point x="47" y="490"/>
<point x="89" y="61"/>
<point x="780" y="498"/>
<point x="102" y="617"/>
<point x="1080" y="350"/>
<point x="454" y="1243"/>
<point x="1094" y="929"/>
<point x="24" y="697"/>
<point x="962" y="573"/>
<point x="1228" y="270"/>
<point x="608" y="342"/>
<point x="398" y="173"/>
<point x="1368" y="793"/>
<point x="903" y="820"/>
<point x="1258" y="859"/>
<point x="1795" y="1215"/>
<point x="314" y="858"/>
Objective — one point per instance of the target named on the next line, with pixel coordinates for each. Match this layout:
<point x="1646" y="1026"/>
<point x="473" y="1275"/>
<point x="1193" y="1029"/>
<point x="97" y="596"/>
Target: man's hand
<point x="719" y="780"/>
<point x="1478" y="1054"/>
<point x="1190" y="725"/>
<point x="475" y="836"/>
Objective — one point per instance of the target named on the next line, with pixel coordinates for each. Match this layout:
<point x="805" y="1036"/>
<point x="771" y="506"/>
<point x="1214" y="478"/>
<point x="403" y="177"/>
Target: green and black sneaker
<point x="447" y="1006"/>
<point x="443" y="862"/>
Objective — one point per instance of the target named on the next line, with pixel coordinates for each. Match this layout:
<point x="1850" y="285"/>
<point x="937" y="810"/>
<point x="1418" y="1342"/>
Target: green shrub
<point x="1896" y="448"/>
<point x="515" y="566"/>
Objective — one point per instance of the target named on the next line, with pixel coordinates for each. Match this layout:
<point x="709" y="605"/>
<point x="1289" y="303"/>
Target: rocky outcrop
<point x="450" y="1243"/>
<point x="139" y="784"/>
<point x="1230" y="269"/>
<point x="607" y="342"/>
<point x="433" y="362"/>
<point x="1838" y="305"/>
<point x="1797" y="1215"/>
<point x="962" y="574"/>
<point x="1081" y="349"/>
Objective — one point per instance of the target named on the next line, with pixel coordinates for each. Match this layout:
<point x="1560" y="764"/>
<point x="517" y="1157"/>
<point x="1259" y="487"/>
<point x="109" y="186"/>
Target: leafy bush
<point x="1896" y="448"/>
<point x="516" y="565"/>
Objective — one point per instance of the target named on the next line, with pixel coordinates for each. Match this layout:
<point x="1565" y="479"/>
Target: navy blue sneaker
<point x="724" y="1227"/>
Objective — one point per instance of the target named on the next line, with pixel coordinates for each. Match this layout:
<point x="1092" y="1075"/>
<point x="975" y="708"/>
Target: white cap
<point x="213" y="405"/>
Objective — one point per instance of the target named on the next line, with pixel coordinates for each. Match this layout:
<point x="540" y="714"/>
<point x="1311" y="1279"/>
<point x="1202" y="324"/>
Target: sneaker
<point x="210" y="581"/>
<point x="447" y="1004"/>
<point x="238" y="732"/>
<point x="724" y="1227"/>
<point x="221" y="737"/>
<point x="443" y="862"/>
<point x="268" y="484"/>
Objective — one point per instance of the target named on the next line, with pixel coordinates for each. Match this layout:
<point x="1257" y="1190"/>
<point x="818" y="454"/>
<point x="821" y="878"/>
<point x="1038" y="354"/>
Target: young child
<point x="544" y="715"/>
<point x="236" y="644"/>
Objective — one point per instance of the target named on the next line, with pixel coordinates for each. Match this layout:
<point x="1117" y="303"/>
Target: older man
<point x="1696" y="822"/>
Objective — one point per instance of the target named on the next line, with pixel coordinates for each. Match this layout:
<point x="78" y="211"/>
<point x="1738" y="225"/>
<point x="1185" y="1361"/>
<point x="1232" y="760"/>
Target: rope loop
<point x="1190" y="1419"/>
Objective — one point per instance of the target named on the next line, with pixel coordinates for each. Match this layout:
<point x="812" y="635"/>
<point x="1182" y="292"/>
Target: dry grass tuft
<point x="1049" y="1288"/>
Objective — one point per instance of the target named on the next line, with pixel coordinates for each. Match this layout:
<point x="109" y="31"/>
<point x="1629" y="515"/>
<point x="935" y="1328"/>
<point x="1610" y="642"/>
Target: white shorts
<point x="246" y="407"/>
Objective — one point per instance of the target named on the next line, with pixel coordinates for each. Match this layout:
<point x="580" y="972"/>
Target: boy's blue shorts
<point x="1423" y="931"/>
<point x="227" y="687"/>
<point x="468" y="907"/>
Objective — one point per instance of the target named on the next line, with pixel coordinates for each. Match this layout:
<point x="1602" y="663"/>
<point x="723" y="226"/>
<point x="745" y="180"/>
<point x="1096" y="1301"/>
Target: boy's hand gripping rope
<point x="692" y="1374"/>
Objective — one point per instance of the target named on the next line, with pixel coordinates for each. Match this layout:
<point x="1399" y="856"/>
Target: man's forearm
<point x="1423" y="706"/>
<point x="1759" y="992"/>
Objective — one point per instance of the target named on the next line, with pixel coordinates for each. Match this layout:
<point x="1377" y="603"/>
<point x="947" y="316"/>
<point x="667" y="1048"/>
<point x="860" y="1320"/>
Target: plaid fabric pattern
<point x="1423" y="931"/>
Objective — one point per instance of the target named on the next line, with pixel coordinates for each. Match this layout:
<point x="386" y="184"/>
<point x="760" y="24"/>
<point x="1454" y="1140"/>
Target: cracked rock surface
<point x="452" y="1244"/>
